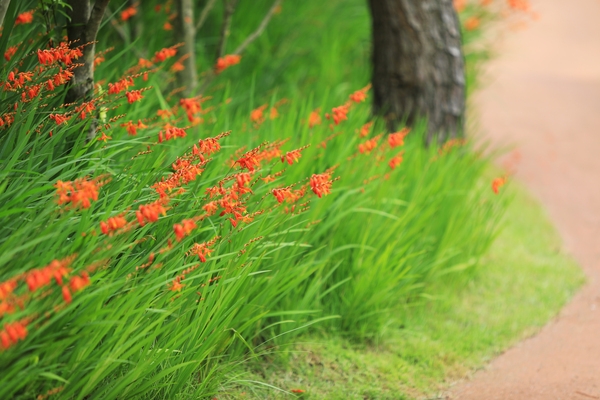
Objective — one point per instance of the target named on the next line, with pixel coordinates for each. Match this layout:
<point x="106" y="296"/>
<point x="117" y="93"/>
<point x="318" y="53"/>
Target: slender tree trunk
<point x="3" y="7"/>
<point x="186" y="33"/>
<point x="82" y="30"/>
<point x="418" y="65"/>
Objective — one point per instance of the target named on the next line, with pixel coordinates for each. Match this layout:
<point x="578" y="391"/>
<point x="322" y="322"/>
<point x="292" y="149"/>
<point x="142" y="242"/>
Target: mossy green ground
<point x="522" y="283"/>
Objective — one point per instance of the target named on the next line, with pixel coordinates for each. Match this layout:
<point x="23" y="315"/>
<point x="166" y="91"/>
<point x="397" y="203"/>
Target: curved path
<point x="545" y="98"/>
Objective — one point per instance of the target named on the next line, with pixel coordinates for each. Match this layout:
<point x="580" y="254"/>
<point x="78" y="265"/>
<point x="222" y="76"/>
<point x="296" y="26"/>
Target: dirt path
<point x="545" y="98"/>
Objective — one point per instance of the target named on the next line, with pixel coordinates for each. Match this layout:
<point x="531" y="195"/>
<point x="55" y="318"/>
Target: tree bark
<point x="418" y="65"/>
<point x="3" y="8"/>
<point x="82" y="30"/>
<point x="186" y="33"/>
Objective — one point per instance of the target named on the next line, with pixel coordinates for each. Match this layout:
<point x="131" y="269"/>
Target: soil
<point x="544" y="99"/>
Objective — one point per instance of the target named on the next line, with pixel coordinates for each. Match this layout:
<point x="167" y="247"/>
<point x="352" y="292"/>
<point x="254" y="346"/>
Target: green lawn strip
<point x="522" y="283"/>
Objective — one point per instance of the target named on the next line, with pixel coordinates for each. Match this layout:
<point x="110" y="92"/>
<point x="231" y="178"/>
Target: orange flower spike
<point x="10" y="52"/>
<point x="112" y="224"/>
<point x="282" y="193"/>
<point x="243" y="178"/>
<point x="367" y="146"/>
<point x="66" y="293"/>
<point x="249" y="161"/>
<point x="256" y="115"/>
<point x="365" y="129"/>
<point x="127" y="13"/>
<point x="314" y="118"/>
<point x="397" y="138"/>
<point x="293" y="155"/>
<point x="77" y="283"/>
<point x="210" y="208"/>
<point x="24" y="18"/>
<point x="360" y="95"/>
<point x="396" y="161"/>
<point x="321" y="184"/>
<point x="165" y="53"/>
<point x="133" y="96"/>
<point x="184" y="229"/>
<point x="498" y="183"/>
<point x="226" y="62"/>
<point x="340" y="113"/>
<point x="59" y="118"/>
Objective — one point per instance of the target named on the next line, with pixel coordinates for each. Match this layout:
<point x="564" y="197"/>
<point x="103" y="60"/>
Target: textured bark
<point x="82" y="30"/>
<point x="3" y="8"/>
<point x="186" y="34"/>
<point x="418" y="65"/>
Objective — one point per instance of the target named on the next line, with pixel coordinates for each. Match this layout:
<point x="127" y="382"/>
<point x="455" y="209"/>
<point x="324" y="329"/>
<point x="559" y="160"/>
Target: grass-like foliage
<point x="191" y="233"/>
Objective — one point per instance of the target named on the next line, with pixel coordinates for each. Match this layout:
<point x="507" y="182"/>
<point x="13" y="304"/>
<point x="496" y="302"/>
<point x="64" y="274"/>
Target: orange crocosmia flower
<point x="104" y="137"/>
<point x="176" y="286"/>
<point x="10" y="52"/>
<point x="79" y="192"/>
<point x="132" y="128"/>
<point x="164" y="114"/>
<point x="340" y="113"/>
<point x="171" y="133"/>
<point x="192" y="106"/>
<point x="59" y="118"/>
<point x="293" y="155"/>
<point x="321" y="184"/>
<point x="13" y="333"/>
<point x="397" y="138"/>
<point x="243" y="178"/>
<point x="24" y="18"/>
<point x="165" y="53"/>
<point x="142" y="62"/>
<point x="226" y="62"/>
<point x="184" y="229"/>
<point x="297" y="391"/>
<point x="282" y="193"/>
<point x="150" y="212"/>
<point x="118" y="87"/>
<point x="472" y="23"/>
<point x="202" y="249"/>
<point x="365" y="129"/>
<point x="256" y="115"/>
<point x="273" y="113"/>
<point x="208" y="146"/>
<point x="127" y="13"/>
<point x="314" y="118"/>
<point x="248" y="161"/>
<point x="167" y="26"/>
<point x="79" y="282"/>
<point x="367" y="146"/>
<point x="498" y="183"/>
<point x="133" y="96"/>
<point x="210" y="208"/>
<point x="396" y="160"/>
<point x="6" y="288"/>
<point x="112" y="224"/>
<point x="360" y="95"/>
<point x="177" y="66"/>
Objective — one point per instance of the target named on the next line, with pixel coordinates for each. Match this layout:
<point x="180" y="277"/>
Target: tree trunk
<point x="418" y="65"/>
<point x="82" y="30"/>
<point x="3" y="7"/>
<point x="186" y="34"/>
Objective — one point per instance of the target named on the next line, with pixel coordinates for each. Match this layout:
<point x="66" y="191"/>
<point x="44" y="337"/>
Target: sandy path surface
<point x="544" y="97"/>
